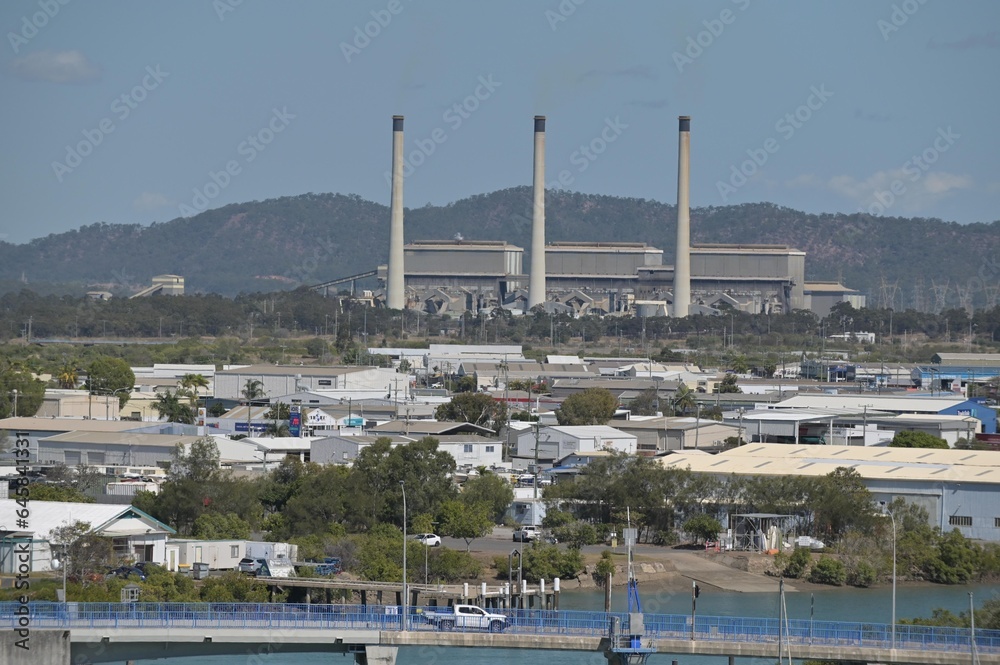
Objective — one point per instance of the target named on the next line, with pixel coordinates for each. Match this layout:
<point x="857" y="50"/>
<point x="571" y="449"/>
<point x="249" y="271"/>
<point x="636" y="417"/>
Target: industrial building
<point x="279" y="380"/>
<point x="579" y="278"/>
<point x="960" y="489"/>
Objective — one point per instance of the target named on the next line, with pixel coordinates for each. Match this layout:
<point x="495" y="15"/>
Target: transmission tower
<point x="940" y="295"/>
<point x="964" y="297"/>
<point x="992" y="294"/>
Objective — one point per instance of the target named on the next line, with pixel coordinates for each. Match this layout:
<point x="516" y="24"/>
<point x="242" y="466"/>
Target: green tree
<point x="110" y="376"/>
<point x="703" y="527"/>
<point x="375" y="479"/>
<point x="476" y="408"/>
<point x="492" y="490"/>
<point x="64" y="493"/>
<point x="728" y="385"/>
<point x="86" y="552"/>
<point x="215" y="526"/>
<point x="467" y="521"/>
<point x="30" y="392"/>
<point x="593" y="406"/>
<point x="170" y="407"/>
<point x="67" y="376"/>
<point x="828" y="571"/>
<point x="193" y="384"/>
<point x="840" y="501"/>
<point x="645" y="403"/>
<point x="253" y="389"/>
<point x="914" y="439"/>
<point x="683" y="401"/>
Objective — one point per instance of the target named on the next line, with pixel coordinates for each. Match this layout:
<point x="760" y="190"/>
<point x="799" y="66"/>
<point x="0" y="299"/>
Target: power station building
<point x="590" y="277"/>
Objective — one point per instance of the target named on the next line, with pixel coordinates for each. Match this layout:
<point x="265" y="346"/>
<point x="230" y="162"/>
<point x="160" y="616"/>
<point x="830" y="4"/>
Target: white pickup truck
<point x="527" y="534"/>
<point x="466" y="617"/>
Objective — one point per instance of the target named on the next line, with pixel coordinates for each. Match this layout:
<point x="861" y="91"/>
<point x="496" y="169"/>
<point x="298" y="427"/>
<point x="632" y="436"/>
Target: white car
<point x="428" y="539"/>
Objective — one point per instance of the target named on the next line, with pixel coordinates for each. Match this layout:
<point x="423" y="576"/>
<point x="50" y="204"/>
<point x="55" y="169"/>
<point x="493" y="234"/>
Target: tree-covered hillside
<point x="286" y="242"/>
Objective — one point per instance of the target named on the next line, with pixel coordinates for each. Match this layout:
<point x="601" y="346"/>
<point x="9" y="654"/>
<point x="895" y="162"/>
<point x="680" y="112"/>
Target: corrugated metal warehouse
<point x="959" y="488"/>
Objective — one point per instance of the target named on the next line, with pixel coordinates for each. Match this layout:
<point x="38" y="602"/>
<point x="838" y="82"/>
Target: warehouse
<point x="277" y="380"/>
<point x="960" y="489"/>
<point x="111" y="449"/>
<point x="896" y="404"/>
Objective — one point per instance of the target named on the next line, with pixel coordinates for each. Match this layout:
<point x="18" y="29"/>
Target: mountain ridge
<point x="309" y="238"/>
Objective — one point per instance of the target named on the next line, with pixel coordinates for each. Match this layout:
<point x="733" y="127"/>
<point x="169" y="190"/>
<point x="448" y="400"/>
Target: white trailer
<point x="218" y="554"/>
<point x="272" y="551"/>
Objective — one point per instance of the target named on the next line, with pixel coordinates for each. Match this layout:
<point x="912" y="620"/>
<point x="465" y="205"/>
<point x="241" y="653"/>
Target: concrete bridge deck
<point x="106" y="632"/>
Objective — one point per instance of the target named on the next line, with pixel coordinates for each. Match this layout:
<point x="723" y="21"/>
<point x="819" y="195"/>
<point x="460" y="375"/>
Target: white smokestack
<point x="682" y="264"/>
<point x="395" y="297"/>
<point x="536" y="278"/>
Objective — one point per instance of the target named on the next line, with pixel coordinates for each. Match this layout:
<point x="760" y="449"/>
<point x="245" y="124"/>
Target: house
<point x="135" y="536"/>
<point x="468" y="450"/>
<point x="556" y="442"/>
<point x="657" y="435"/>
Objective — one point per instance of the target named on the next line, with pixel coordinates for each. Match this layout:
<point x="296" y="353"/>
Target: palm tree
<point x="683" y="400"/>
<point x="67" y="376"/>
<point x="191" y="383"/>
<point x="169" y="406"/>
<point x="254" y="389"/>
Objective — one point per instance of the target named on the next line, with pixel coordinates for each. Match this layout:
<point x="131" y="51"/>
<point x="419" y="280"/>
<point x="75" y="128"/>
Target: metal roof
<point x="872" y="463"/>
<point x="49" y="515"/>
<point x="122" y="438"/>
<point x="873" y="402"/>
<point x="292" y="370"/>
<point x="25" y="424"/>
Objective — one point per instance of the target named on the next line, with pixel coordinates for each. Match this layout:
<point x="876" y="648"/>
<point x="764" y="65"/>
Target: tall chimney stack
<point x="536" y="278"/>
<point x="682" y="264"/>
<point x="395" y="296"/>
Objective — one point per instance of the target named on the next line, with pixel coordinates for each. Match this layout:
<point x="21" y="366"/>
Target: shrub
<point x="828" y="571"/>
<point x="798" y="563"/>
<point x="605" y="565"/>
<point x="863" y="575"/>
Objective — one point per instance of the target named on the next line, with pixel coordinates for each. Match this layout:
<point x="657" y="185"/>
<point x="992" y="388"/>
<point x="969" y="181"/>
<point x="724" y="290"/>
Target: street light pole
<point x="892" y="517"/>
<point x="402" y="486"/>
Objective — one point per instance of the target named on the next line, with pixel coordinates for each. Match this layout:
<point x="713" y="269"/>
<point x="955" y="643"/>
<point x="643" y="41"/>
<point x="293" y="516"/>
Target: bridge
<point x="106" y="632"/>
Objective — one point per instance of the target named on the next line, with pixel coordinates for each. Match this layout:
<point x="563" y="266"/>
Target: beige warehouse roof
<point x="25" y="424"/>
<point x="122" y="438"/>
<point x="873" y="463"/>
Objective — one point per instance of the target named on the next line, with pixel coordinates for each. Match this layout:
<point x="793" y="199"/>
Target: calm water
<point x="829" y="605"/>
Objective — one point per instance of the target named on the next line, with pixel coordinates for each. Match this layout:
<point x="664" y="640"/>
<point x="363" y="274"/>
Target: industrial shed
<point x="960" y="489"/>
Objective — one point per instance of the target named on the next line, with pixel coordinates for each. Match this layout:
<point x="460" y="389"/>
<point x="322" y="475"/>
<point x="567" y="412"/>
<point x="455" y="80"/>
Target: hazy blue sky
<point x="121" y="111"/>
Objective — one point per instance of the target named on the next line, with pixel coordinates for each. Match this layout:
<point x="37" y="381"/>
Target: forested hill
<point x="285" y="242"/>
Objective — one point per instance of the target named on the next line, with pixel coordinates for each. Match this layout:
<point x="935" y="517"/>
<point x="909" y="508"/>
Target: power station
<point x="579" y="278"/>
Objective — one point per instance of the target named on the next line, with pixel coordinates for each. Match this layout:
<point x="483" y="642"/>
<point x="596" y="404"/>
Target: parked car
<point x="428" y="539"/>
<point x="466" y="617"/>
<point x="125" y="572"/>
<point x="147" y="566"/>
<point x="251" y="566"/>
<point x="527" y="533"/>
<point x="331" y="565"/>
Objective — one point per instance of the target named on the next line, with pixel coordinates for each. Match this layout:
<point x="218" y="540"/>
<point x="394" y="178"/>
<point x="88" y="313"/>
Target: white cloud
<point x="150" y="201"/>
<point x="911" y="190"/>
<point x="55" y="67"/>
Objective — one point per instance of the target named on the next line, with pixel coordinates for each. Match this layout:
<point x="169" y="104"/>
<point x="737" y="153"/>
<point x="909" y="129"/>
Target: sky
<point x="136" y="111"/>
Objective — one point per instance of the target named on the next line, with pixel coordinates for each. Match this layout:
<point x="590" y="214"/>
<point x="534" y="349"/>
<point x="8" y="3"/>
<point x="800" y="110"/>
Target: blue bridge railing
<point x="271" y="616"/>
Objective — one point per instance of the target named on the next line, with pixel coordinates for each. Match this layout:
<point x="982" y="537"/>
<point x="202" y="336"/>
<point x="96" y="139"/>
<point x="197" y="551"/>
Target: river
<point x="835" y="604"/>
